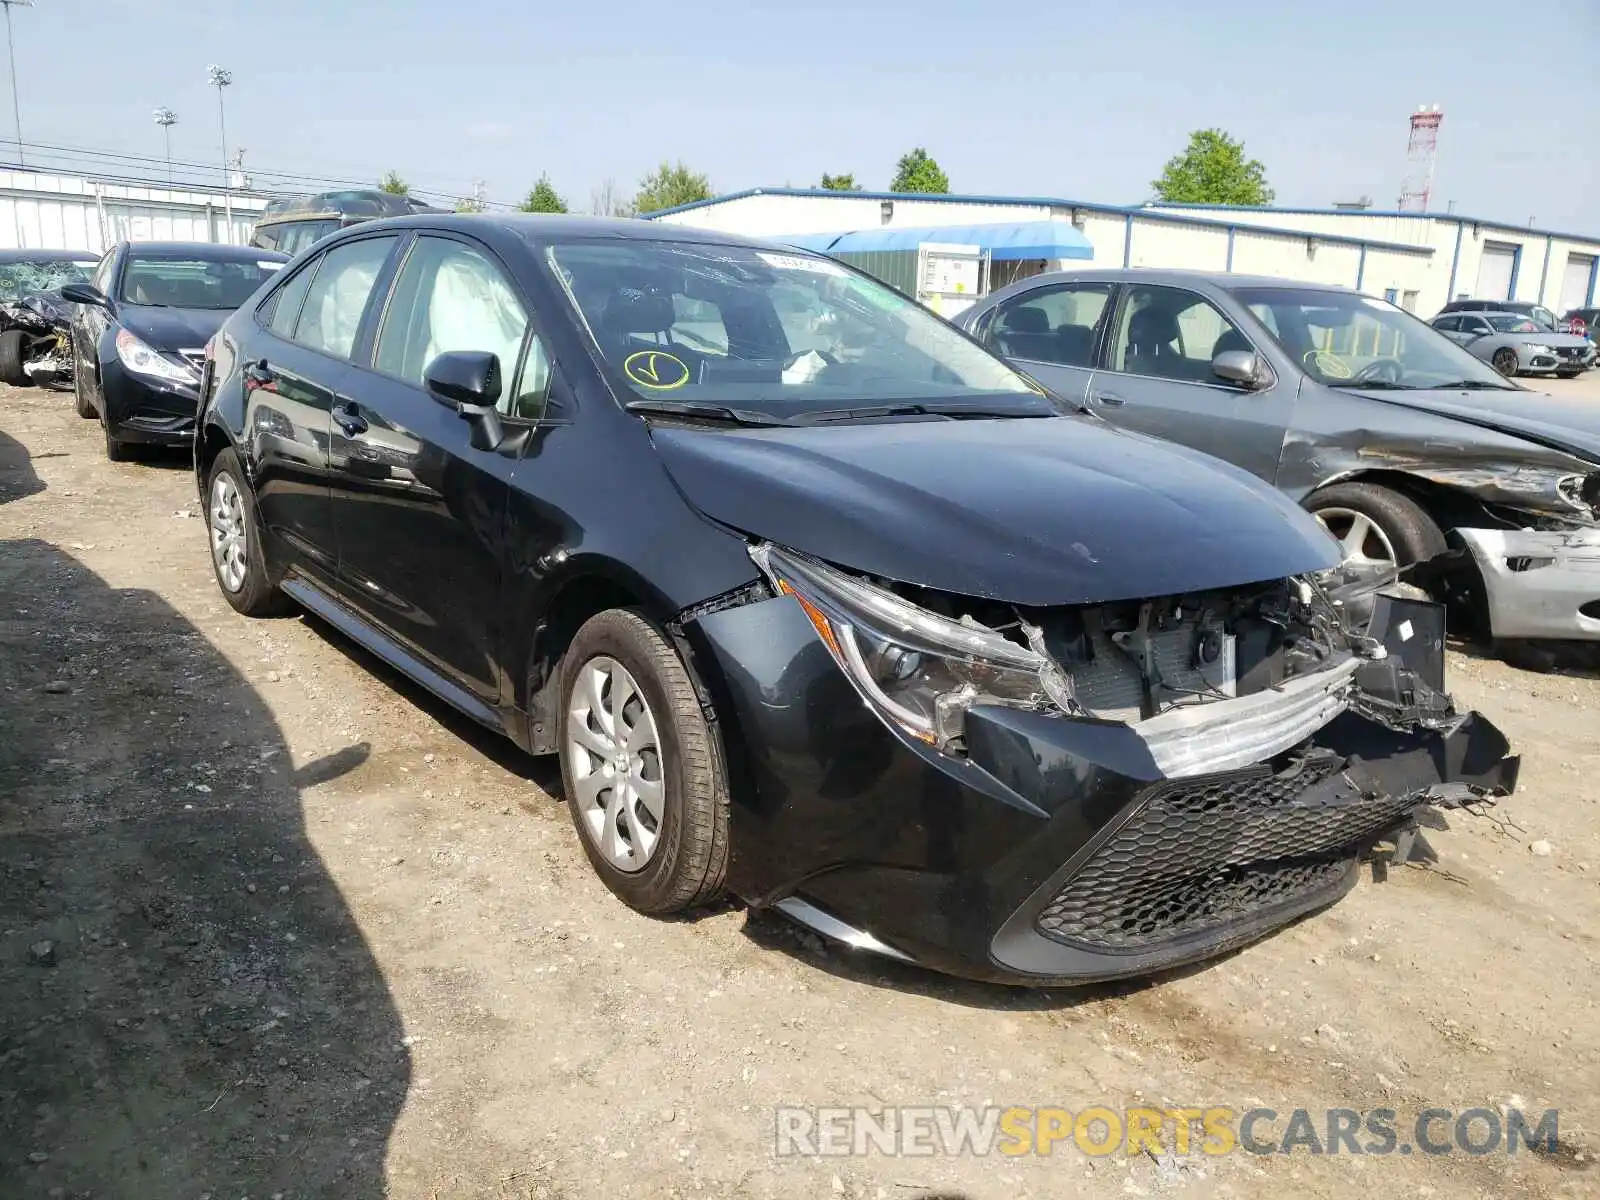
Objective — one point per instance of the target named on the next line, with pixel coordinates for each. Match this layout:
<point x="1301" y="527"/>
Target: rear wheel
<point x="13" y="345"/>
<point x="642" y="767"/>
<point x="1505" y="361"/>
<point x="1378" y="530"/>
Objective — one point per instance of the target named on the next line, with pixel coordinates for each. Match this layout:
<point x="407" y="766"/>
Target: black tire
<point x="1568" y="374"/>
<point x="117" y="450"/>
<point x="690" y="859"/>
<point x="81" y="400"/>
<point x="256" y="595"/>
<point x="13" y="346"/>
<point x="1504" y="360"/>
<point x="1411" y="532"/>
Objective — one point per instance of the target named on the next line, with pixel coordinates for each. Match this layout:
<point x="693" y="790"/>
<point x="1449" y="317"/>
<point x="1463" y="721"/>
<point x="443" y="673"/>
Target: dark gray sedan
<point x="1517" y="345"/>
<point x="1401" y="442"/>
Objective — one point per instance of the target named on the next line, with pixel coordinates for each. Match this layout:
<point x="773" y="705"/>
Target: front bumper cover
<point x="1539" y="583"/>
<point x="1057" y="851"/>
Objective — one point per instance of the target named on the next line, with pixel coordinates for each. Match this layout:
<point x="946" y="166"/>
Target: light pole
<point x="166" y="118"/>
<point x="221" y="78"/>
<point x="11" y="49"/>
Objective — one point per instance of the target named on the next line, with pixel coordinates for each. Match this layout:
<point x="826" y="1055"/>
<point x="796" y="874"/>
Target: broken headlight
<point x="917" y="670"/>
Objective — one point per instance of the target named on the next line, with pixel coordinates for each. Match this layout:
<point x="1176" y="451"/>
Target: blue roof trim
<point x="1458" y="218"/>
<point x="1004" y="240"/>
<point x="1121" y="210"/>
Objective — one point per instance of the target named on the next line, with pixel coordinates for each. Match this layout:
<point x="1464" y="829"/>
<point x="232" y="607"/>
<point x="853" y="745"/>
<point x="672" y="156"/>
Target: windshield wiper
<point x="829" y="415"/>
<point x="1471" y="385"/>
<point x="705" y="411"/>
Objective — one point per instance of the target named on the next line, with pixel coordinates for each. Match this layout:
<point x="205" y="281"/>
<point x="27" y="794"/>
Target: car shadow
<point x="187" y="1004"/>
<point x="1543" y="657"/>
<point x="18" y="479"/>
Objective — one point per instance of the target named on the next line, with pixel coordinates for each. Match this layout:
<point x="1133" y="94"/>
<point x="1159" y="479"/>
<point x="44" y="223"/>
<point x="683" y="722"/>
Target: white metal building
<point x="43" y="211"/>
<point x="1417" y="260"/>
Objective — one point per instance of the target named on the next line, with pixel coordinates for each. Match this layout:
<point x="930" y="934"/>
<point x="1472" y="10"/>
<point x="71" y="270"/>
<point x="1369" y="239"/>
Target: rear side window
<point x="298" y="235"/>
<point x="1051" y="324"/>
<point x="337" y="297"/>
<point x="288" y="300"/>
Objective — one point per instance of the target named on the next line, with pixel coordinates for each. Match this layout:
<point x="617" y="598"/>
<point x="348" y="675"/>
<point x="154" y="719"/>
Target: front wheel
<point x="82" y="403"/>
<point x="1504" y="360"/>
<point x="13" y="346"/>
<point x="1379" y="531"/>
<point x="236" y="556"/>
<point x="642" y="768"/>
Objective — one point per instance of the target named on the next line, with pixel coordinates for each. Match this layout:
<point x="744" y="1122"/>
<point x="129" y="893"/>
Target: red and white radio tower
<point x="1422" y="151"/>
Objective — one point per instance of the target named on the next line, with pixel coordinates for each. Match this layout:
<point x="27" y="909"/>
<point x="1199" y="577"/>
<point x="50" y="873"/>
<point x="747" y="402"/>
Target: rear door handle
<point x="1109" y="399"/>
<point x="347" y="418"/>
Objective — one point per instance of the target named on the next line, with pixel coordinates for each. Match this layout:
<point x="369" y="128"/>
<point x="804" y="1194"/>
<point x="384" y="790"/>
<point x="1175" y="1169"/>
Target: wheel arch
<point x="1447" y="506"/>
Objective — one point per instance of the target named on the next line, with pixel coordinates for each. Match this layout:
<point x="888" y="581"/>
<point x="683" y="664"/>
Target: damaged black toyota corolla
<point x="819" y="602"/>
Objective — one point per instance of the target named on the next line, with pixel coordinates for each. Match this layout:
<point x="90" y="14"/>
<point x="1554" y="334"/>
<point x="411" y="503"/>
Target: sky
<point x="1082" y="102"/>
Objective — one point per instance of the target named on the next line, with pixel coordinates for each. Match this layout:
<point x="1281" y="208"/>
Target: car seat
<point x="1025" y="333"/>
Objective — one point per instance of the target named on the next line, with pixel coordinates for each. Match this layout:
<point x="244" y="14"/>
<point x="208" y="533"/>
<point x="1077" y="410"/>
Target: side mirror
<point x="468" y="381"/>
<point x="84" y="293"/>
<point x="1239" y="366"/>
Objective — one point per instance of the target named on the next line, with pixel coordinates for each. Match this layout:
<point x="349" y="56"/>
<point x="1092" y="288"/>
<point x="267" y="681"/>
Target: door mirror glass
<point x="465" y="380"/>
<point x="85" y="293"/>
<point x="1238" y="366"/>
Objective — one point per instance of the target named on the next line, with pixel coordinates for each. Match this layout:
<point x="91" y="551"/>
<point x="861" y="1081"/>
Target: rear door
<point x="293" y="370"/>
<point x="421" y="510"/>
<point x="1159" y="380"/>
<point x="1052" y="332"/>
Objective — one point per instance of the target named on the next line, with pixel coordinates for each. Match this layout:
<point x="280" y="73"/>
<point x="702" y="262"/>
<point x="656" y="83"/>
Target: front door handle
<point x="1109" y="399"/>
<point x="260" y="374"/>
<point x="347" y="418"/>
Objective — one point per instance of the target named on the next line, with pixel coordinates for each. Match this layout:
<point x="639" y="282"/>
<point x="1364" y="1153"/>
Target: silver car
<point x="1517" y="345"/>
<point x="1407" y="448"/>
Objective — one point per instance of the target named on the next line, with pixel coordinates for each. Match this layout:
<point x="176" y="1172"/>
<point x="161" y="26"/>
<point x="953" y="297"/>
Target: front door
<point x="420" y="509"/>
<point x="1158" y="380"/>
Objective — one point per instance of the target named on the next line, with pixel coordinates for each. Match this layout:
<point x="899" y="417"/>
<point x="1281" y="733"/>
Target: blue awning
<point x="1004" y="241"/>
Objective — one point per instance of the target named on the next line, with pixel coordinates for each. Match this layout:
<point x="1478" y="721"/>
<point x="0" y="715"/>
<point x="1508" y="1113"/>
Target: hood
<point x="1567" y="423"/>
<point x="172" y="329"/>
<point x="1037" y="512"/>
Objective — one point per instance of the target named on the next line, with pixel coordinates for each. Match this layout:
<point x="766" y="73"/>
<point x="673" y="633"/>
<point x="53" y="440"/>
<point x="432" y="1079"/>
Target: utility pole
<point x="166" y="118"/>
<point x="220" y="79"/>
<point x="11" y="49"/>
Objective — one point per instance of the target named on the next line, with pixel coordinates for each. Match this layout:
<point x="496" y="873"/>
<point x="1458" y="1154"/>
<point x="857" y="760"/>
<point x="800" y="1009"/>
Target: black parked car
<point x="140" y="331"/>
<point x="819" y="602"/>
<point x="1536" y="313"/>
<point x="35" y="343"/>
<point x="292" y="223"/>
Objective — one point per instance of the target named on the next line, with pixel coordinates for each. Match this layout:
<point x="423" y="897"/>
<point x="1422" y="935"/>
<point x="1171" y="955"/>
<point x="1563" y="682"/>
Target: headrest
<point x="633" y="311"/>
<point x="1231" y="339"/>
<point x="1153" y="325"/>
<point x="1027" y="320"/>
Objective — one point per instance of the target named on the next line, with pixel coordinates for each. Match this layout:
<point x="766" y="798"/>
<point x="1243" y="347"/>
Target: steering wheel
<point x="1385" y="370"/>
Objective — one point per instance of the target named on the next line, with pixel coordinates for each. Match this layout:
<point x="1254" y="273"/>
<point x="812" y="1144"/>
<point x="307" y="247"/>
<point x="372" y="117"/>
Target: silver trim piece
<point x="815" y="919"/>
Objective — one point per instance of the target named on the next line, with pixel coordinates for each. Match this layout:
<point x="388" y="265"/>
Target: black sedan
<point x="819" y="602"/>
<point x="140" y="332"/>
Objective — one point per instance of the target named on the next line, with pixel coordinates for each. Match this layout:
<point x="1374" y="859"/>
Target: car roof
<point x="28" y="256"/>
<point x="215" y="251"/>
<point x="541" y="226"/>
<point x="1162" y="276"/>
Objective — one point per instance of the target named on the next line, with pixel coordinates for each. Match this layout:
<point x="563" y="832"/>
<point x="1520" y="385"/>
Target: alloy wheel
<point x="615" y="751"/>
<point x="229" y="532"/>
<point x="1364" y="544"/>
<point x="1505" y="361"/>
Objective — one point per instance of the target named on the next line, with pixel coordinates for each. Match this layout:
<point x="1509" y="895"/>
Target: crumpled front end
<point x="1079" y="793"/>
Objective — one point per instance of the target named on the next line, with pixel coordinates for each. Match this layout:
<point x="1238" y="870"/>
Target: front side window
<point x="451" y="297"/>
<point x="331" y="316"/>
<point x="1344" y="339"/>
<point x="193" y="281"/>
<point x="1170" y="333"/>
<point x="786" y="331"/>
<point x="1513" y="324"/>
<point x="1051" y="324"/>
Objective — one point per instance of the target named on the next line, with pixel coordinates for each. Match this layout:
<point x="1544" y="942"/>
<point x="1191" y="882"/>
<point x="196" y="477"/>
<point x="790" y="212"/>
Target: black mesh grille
<point x="1204" y="853"/>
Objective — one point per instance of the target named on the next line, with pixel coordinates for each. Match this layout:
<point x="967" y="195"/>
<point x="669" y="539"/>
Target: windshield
<point x="782" y="333"/>
<point x="193" y="282"/>
<point x="18" y="279"/>
<point x="1347" y="340"/>
<point x="1506" y="324"/>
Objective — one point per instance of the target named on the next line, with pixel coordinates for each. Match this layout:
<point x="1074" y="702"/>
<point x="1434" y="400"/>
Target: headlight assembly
<point x="918" y="670"/>
<point x="140" y="359"/>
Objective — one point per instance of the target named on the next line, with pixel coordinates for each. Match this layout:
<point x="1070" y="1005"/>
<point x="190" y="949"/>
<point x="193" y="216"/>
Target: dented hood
<point x="1567" y="423"/>
<point x="1058" y="510"/>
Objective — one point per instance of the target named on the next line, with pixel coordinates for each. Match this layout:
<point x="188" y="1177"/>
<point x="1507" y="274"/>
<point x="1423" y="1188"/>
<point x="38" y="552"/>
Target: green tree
<point x="543" y="198"/>
<point x="669" y="186"/>
<point x="470" y="204"/>
<point x="841" y="183"/>
<point x="916" y="172"/>
<point x="394" y="184"/>
<point x="1213" y="170"/>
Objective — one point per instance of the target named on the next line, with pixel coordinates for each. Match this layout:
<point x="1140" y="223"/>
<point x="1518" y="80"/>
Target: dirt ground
<point x="274" y="923"/>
